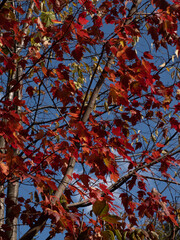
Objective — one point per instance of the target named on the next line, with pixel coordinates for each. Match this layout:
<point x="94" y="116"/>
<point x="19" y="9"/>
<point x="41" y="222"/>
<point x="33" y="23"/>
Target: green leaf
<point x="145" y="139"/>
<point x="47" y="17"/>
<point x="124" y="235"/>
<point x="118" y="234"/>
<point x="108" y="235"/>
<point x="106" y="106"/>
<point x="111" y="219"/>
<point x="95" y="59"/>
<point x="100" y="208"/>
<point x="153" y="138"/>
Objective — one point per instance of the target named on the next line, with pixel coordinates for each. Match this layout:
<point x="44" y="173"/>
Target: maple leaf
<point x="148" y="55"/>
<point x="77" y="53"/>
<point x="37" y="3"/>
<point x="24" y="118"/>
<point x="19" y="9"/>
<point x="82" y="18"/>
<point x="132" y="182"/>
<point x="177" y="107"/>
<point x="100" y="208"/>
<point x="160" y="145"/>
<point x="105" y="189"/>
<point x="30" y="91"/>
<point x="4" y="168"/>
<point x="175" y="124"/>
<point x="98" y="21"/>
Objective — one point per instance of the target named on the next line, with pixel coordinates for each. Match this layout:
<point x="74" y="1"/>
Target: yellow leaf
<point x="121" y="108"/>
<point x="145" y="139"/>
<point x="162" y="65"/>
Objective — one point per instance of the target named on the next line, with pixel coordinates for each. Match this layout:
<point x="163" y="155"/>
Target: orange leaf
<point x="44" y="70"/>
<point x="160" y="145"/>
<point x="4" y="168"/>
<point x="40" y="134"/>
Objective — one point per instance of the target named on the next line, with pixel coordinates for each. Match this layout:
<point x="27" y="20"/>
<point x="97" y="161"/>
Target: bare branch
<point x="126" y="177"/>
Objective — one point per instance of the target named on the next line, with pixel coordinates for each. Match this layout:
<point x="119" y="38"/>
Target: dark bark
<point x="2" y="145"/>
<point x="35" y="228"/>
<point x="11" y="220"/>
<point x="13" y="183"/>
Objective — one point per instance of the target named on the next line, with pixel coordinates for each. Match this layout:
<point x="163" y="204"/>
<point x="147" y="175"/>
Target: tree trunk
<point x="2" y="144"/>
<point x="13" y="184"/>
<point x="11" y="221"/>
<point x="1" y="207"/>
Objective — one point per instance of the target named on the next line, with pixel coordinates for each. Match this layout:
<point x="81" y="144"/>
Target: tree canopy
<point x="89" y="118"/>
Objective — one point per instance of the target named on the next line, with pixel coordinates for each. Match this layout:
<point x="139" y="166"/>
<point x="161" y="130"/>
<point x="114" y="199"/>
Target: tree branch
<point x="125" y="178"/>
<point x="162" y="180"/>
